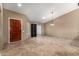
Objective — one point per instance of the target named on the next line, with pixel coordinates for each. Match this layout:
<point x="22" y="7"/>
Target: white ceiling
<point x="36" y="11"/>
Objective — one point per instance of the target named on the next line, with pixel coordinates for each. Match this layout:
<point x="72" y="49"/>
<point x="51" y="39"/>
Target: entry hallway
<point x="42" y="46"/>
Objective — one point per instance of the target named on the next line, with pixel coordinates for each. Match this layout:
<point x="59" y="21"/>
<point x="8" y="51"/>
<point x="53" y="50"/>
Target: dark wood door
<point x="15" y="30"/>
<point x="33" y="30"/>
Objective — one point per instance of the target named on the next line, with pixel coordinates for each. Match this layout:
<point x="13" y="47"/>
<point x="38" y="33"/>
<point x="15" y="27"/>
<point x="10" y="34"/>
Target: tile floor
<point x="42" y="46"/>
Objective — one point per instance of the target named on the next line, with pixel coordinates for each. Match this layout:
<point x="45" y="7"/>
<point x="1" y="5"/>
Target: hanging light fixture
<point x="52" y="24"/>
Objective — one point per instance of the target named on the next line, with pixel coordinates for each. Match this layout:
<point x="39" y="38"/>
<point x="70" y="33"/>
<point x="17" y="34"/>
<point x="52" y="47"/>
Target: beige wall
<point x="66" y="26"/>
<point x="42" y="25"/>
<point x="1" y="26"/>
<point x="24" y="21"/>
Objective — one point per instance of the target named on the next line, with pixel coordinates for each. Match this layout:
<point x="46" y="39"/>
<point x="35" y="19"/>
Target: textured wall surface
<point x="1" y="26"/>
<point x="66" y="26"/>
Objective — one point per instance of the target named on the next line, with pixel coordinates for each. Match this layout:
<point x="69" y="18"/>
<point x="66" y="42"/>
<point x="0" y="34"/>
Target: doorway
<point x="33" y="30"/>
<point x="15" y="30"/>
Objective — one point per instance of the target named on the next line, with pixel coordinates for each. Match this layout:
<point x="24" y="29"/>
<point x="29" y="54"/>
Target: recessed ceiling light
<point x="43" y="17"/>
<point x="19" y="4"/>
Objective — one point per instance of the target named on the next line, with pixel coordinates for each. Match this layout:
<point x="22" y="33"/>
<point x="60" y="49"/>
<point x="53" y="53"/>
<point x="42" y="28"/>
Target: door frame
<point x="9" y="28"/>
